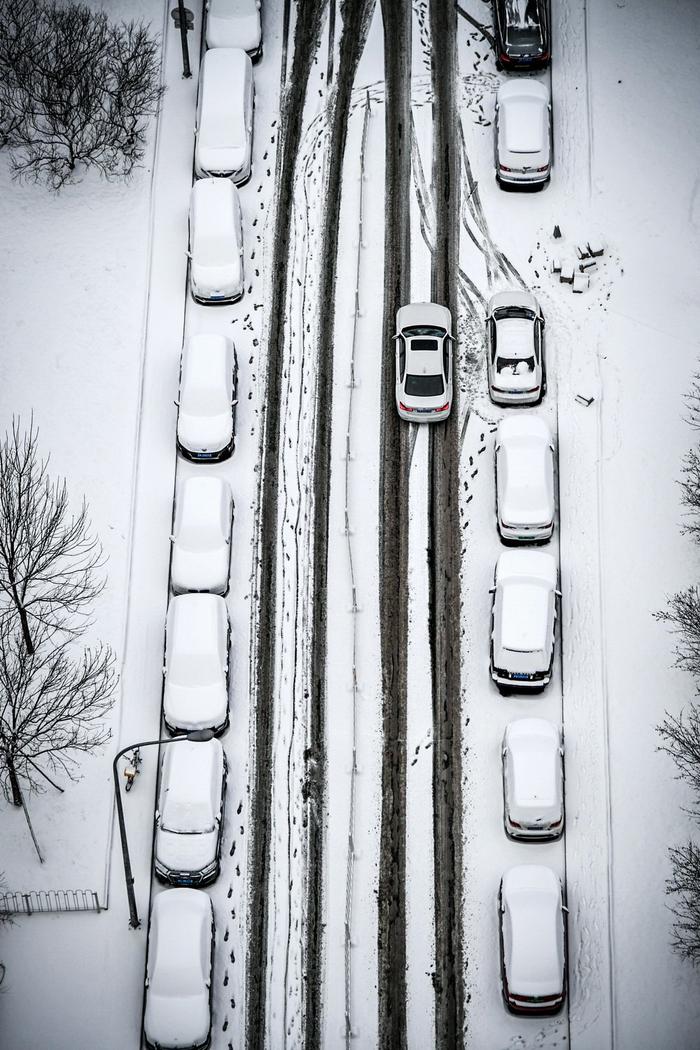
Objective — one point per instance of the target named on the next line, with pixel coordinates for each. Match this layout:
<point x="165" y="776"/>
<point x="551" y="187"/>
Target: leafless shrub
<point x="682" y="616"/>
<point x="684" y="884"/>
<point x="681" y="740"/>
<point x="48" y="556"/>
<point x="690" y="489"/>
<point x="76" y="91"/>
<point x="53" y="703"/>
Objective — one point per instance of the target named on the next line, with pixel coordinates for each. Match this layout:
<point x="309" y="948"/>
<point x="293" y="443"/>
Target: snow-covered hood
<point x="217" y="280"/>
<point x="188" y="708"/>
<point x="242" y="31"/>
<point x="200" y="570"/>
<point x="222" y="160"/>
<point x="204" y="433"/>
<point x="177" y="1021"/>
<point x="186" y="852"/>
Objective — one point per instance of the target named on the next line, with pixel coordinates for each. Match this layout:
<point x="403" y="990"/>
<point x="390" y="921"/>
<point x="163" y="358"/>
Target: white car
<point x="515" y="359"/>
<point x="523" y="134"/>
<point x="189" y="818"/>
<point x="423" y="362"/>
<point x="533" y="940"/>
<point x="179" y="971"/>
<point x="522" y="621"/>
<point x="235" y="23"/>
<point x="224" y="135"/>
<point x="524" y="480"/>
<point x="216" y="242"/>
<point x="533" y="779"/>
<point x="196" y="664"/>
<point x="207" y="403"/>
<point x="202" y="536"/>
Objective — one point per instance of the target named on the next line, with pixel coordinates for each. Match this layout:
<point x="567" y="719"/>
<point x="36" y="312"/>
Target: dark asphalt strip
<point x="393" y="535"/>
<point x="356" y="16"/>
<point x="444" y="554"/>
<point x="307" y="32"/>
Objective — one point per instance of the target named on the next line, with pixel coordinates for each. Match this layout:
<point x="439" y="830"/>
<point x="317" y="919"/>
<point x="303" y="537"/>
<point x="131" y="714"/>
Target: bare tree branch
<point x="685" y="883"/>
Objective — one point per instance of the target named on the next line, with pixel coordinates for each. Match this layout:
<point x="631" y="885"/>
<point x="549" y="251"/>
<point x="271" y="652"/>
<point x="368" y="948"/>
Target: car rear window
<point x="515" y="368"/>
<point x="424" y="386"/>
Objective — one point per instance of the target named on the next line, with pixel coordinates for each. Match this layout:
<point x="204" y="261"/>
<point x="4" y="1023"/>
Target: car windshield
<point x="522" y="367"/>
<point x="424" y="386"/>
<point x="424" y="329"/>
<point x="514" y="311"/>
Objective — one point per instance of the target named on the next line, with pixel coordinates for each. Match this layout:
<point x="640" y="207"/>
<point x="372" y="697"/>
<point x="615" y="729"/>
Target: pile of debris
<point x="577" y="272"/>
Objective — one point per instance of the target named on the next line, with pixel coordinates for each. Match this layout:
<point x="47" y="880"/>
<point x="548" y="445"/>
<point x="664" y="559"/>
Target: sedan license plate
<point x="519" y="674"/>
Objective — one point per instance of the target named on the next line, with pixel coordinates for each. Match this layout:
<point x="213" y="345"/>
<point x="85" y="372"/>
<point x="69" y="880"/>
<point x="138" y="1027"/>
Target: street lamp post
<point x="196" y="735"/>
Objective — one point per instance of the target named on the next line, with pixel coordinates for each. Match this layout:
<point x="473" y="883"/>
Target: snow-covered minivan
<point x="207" y="402"/>
<point x="197" y="636"/>
<point x="523" y="134"/>
<point x="224" y="141"/>
<point x="524" y="480"/>
<point x="216" y="242"/>
<point x="235" y="23"/>
<point x="523" y="618"/>
<point x="189" y="818"/>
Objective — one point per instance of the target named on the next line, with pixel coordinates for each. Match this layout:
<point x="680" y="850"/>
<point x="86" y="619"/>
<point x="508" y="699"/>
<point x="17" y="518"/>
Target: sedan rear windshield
<point x="515" y="368"/>
<point x="424" y="329"/>
<point x="514" y="311"/>
<point x="424" y="386"/>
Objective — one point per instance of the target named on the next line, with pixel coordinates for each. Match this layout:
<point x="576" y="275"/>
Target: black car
<point x="522" y="34"/>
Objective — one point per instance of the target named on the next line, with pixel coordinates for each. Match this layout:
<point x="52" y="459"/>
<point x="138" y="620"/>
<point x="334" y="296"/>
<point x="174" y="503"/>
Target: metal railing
<point x="45" y="901"/>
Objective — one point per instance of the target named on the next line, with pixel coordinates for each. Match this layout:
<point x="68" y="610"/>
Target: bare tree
<point x="48" y="556"/>
<point x="690" y="489"/>
<point x="682" y="615"/>
<point x="685" y="884"/>
<point x="76" y="91"/>
<point x="681" y="740"/>
<point x="53" y="703"/>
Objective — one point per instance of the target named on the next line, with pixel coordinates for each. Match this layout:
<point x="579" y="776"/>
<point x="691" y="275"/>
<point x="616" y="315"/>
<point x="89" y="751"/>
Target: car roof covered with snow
<point x="215" y="212"/>
<point x="199" y="521"/>
<point x="526" y="580"/>
<point x="525" y="471"/>
<point x="533" y="745"/>
<point x="222" y="83"/>
<point x="190" y="795"/>
<point x="531" y="897"/>
<point x="193" y="639"/>
<point x="523" y="117"/>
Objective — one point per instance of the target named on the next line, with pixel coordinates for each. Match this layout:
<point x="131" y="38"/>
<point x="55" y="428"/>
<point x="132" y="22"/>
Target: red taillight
<point x="504" y="168"/>
<point x="443" y="408"/>
<point x="543" y="168"/>
<point x="515" y="824"/>
<point x="545" y="56"/>
<point x="503" y="57"/>
<point x="404" y="408"/>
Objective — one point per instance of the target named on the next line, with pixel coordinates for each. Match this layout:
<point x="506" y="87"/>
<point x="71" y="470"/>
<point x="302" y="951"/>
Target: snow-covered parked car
<point x="423" y="362"/>
<point x="523" y="134"/>
<point x="533" y="779"/>
<point x="224" y="141"/>
<point x="532" y="930"/>
<point x="521" y="29"/>
<point x="179" y="971"/>
<point x="523" y="620"/>
<point x="189" y="818"/>
<point x="515" y="359"/>
<point x="235" y="23"/>
<point x="524" y="480"/>
<point x="207" y="403"/>
<point x="196" y="664"/>
<point x="216" y="242"/>
<point x="202" y="536"/>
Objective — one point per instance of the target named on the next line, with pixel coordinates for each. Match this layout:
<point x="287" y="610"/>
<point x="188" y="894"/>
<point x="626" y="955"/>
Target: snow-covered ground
<point x="95" y="310"/>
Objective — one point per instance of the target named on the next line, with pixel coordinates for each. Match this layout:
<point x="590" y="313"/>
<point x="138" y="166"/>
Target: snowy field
<point x="335" y="923"/>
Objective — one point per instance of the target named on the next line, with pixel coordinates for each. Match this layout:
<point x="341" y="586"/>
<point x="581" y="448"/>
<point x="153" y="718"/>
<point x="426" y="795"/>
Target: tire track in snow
<point x="306" y="37"/>
<point x="356" y="18"/>
<point x="393" y="535"/>
<point x="444" y="558"/>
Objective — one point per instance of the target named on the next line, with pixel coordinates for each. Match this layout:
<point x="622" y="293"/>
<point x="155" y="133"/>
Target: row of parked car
<point x="193" y="774"/>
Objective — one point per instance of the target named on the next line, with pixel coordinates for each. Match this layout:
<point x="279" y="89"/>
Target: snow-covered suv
<point x="515" y="348"/>
<point x="197" y="637"/>
<point x="523" y="619"/>
<point x="524" y="480"/>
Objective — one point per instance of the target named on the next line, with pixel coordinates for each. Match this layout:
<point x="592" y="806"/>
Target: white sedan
<point x="235" y="23"/>
<point x="202" y="536"/>
<point x="423" y="362"/>
<point x="515" y="348"/>
<point x="524" y="480"/>
<point x="533" y="940"/>
<point x="207" y="417"/>
<point x="196" y="664"/>
<point x="179" y="971"/>
<point x="523" y="134"/>
<point x="189" y="818"/>
<point x="523" y="620"/>
<point x="533" y="779"/>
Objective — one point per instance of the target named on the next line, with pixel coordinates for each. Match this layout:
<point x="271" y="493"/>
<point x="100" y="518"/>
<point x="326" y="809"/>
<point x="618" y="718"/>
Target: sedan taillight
<point x="404" y="408"/>
<point x="504" y="168"/>
<point x="543" y="168"/>
<point x="443" y="408"/>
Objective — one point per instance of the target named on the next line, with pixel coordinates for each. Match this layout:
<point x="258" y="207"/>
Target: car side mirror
<point x="172" y="537"/>
<point x="234" y="402"/>
<point x="564" y="908"/>
<point x="165" y="670"/>
<point x="492" y="590"/>
<point x="176" y="402"/>
<point x="558" y="593"/>
<point x="395" y="337"/>
<point x="188" y="253"/>
<point x="157" y="816"/>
